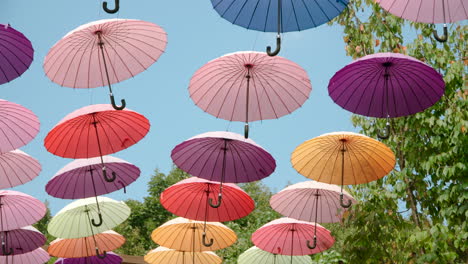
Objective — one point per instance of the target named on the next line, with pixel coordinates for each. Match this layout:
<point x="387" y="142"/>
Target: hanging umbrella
<point x="249" y="86"/>
<point x="78" y="219"/>
<point x="86" y="246"/>
<point x="162" y="255"/>
<point x="223" y="157"/>
<point x="343" y="158"/>
<point x="279" y="15"/>
<point x="111" y="258"/>
<point x="190" y="198"/>
<point x="73" y="180"/>
<point x="254" y="255"/>
<point x="16" y="168"/>
<point x="105" y="52"/>
<point x="18" y="127"/>
<point x="428" y="11"/>
<point x="38" y="256"/>
<point x="19" y="210"/>
<point x="386" y="85"/>
<point x="16" y="54"/>
<point x="20" y="241"/>
<point x="310" y="201"/>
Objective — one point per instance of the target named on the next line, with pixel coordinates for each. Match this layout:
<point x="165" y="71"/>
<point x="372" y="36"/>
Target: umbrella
<point x="249" y="86"/>
<point x="19" y="210"/>
<point x="254" y="255"/>
<point x="162" y="255"/>
<point x="428" y="11"/>
<point x="105" y="52"/>
<point x="16" y="54"/>
<point x="111" y="258"/>
<point x="16" y="168"/>
<point x="279" y="15"/>
<point x="386" y="85"/>
<point x="310" y="201"/>
<point x="77" y="219"/>
<point x="343" y="158"/>
<point x="223" y="157"/>
<point x="18" y="127"/>
<point x="73" y="180"/>
<point x="20" y="241"/>
<point x="86" y="246"/>
<point x="190" y="198"/>
<point x="38" y="256"/>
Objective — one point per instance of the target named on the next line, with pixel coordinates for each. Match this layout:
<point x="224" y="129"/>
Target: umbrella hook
<point x="386" y="131"/>
<point x="442" y="38"/>
<point x="98" y="223"/>
<point x="104" y="173"/>
<point x="220" y="198"/>
<point x="343" y="150"/>
<point x="4" y="249"/>
<point x="347" y="205"/>
<point x="111" y="11"/>
<point x="314" y="245"/>
<point x="317" y="195"/>
<point x="103" y="256"/>
<point x="206" y="244"/>
<point x="220" y="194"/>
<point x="278" y="36"/>
<point x="117" y="107"/>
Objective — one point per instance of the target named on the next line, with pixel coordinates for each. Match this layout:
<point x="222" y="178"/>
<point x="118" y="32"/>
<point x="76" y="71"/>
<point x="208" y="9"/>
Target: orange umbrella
<point x="162" y="255"/>
<point x="343" y="158"/>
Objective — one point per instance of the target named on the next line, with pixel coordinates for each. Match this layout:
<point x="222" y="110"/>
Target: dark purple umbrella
<point x="20" y="241"/>
<point x="111" y="258"/>
<point x="386" y="85"/>
<point x="16" y="53"/>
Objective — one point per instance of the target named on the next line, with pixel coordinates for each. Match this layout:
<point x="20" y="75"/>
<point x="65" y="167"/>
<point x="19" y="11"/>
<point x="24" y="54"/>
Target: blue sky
<point x="196" y="35"/>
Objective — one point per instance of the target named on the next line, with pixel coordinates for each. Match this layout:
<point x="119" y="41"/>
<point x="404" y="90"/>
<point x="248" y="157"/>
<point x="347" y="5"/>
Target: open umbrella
<point x="162" y="255"/>
<point x="343" y="158"/>
<point x="19" y="210"/>
<point x="16" y="54"/>
<point x="254" y="255"/>
<point x="428" y="11"/>
<point x="111" y="258"/>
<point x="386" y="85"/>
<point x="279" y="15"/>
<point x="249" y="86"/>
<point x="18" y="127"/>
<point x="105" y="52"/>
<point x="16" y="168"/>
<point x="20" y="241"/>
<point x="38" y="256"/>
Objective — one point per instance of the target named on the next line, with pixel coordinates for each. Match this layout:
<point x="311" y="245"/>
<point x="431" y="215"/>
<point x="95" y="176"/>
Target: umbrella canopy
<point x="20" y="241"/>
<point x="189" y="198"/>
<point x="162" y="255"/>
<point x="111" y="258"/>
<point x="74" y="180"/>
<point x="186" y="235"/>
<point x="96" y="130"/>
<point x="19" y="210"/>
<point x="310" y="201"/>
<point x="16" y="168"/>
<point x="18" y="127"/>
<point x="291" y="237"/>
<point x="254" y="255"/>
<point x="38" y="256"/>
<point x="16" y="54"/>
<point x="74" y="220"/>
<point x="86" y="246"/>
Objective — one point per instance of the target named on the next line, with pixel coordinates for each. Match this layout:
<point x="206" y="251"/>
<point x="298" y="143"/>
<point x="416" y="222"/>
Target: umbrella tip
<point x="248" y="65"/>
<point x="387" y="64"/>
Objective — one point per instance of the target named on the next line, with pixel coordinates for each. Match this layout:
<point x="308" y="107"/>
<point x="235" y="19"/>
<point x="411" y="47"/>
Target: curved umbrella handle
<point x="107" y="179"/>
<point x="5" y="252"/>
<point x="111" y="11"/>
<point x="278" y="47"/>
<point x="314" y="245"/>
<point x="103" y="256"/>
<point x="204" y="241"/>
<point x="246" y="131"/>
<point x="220" y="198"/>
<point x="345" y="205"/>
<point x="444" y="37"/>
<point x="98" y="223"/>
<point x="116" y="107"/>
<point x="121" y="183"/>
<point x="386" y="132"/>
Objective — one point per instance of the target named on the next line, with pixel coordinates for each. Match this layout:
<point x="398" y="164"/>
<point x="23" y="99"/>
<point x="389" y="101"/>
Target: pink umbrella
<point x="38" y="256"/>
<point x="18" y="127"/>
<point x="16" y="168"/>
<point x="249" y="86"/>
<point x="105" y="52"/>
<point x="18" y="210"/>
<point x="20" y="241"/>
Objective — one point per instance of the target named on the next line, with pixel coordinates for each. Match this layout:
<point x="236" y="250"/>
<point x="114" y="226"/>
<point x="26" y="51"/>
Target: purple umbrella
<point x="20" y="241"/>
<point x="16" y="168"/>
<point x="38" y="256"/>
<point x="223" y="157"/>
<point x="18" y="210"/>
<point x="75" y="179"/>
<point x="111" y="258"/>
<point x="16" y="53"/>
<point x="386" y="85"/>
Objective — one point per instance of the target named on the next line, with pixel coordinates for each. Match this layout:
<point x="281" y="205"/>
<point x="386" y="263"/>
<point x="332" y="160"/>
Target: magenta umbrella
<point x="38" y="256"/>
<point x="16" y="53"/>
<point x="111" y="258"/>
<point x="20" y="241"/>
<point x="18" y="210"/>
<point x="16" y="168"/>
<point x="18" y="126"/>
<point x="249" y="86"/>
<point x="386" y="85"/>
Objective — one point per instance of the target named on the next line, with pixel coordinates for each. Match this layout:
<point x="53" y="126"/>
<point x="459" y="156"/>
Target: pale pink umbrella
<point x="18" y="210"/>
<point x="249" y="86"/>
<point x="105" y="52"/>
<point x="18" y="126"/>
<point x="16" y="168"/>
<point x="38" y="256"/>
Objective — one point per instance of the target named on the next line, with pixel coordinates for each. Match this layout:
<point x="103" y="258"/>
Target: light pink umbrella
<point x="310" y="201"/>
<point x="249" y="86"/>
<point x="16" y="168"/>
<point x="38" y="256"/>
<point x="18" y="126"/>
<point x="105" y="52"/>
<point x="18" y="210"/>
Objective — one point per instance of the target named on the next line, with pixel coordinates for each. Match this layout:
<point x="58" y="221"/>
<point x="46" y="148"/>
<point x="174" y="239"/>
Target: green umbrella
<point x="254" y="255"/>
<point x="75" y="220"/>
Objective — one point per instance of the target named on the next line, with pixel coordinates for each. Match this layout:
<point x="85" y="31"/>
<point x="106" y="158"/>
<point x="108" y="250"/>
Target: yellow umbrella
<point x="343" y="158"/>
<point x="162" y="255"/>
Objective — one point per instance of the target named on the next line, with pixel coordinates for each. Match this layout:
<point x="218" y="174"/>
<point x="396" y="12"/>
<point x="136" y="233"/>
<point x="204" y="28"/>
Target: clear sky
<point x="196" y="35"/>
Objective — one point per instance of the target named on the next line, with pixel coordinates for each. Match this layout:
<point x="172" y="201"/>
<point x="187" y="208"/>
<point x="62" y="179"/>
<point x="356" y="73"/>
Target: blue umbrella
<point x="279" y="15"/>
